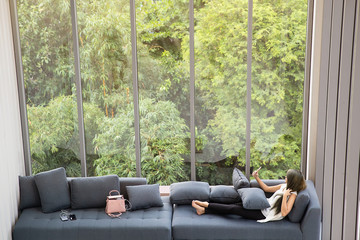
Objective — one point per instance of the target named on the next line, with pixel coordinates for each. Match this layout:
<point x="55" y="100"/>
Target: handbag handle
<point x="112" y="191"/>
<point x="128" y="206"/>
<point x="114" y="215"/>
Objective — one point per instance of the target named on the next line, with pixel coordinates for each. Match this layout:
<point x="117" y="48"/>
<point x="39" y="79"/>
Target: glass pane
<point x="163" y="71"/>
<point x="105" y="53"/>
<point x="220" y="95"/>
<point x="46" y="45"/>
<point x="278" y="60"/>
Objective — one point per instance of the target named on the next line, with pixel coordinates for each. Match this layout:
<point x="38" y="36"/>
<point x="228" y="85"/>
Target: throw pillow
<point x="144" y="196"/>
<point x="29" y="194"/>
<point x="224" y="194"/>
<point x="300" y="205"/>
<point x="91" y="192"/>
<point x="239" y="179"/>
<point x="253" y="198"/>
<point x="186" y="192"/>
<point x="53" y="190"/>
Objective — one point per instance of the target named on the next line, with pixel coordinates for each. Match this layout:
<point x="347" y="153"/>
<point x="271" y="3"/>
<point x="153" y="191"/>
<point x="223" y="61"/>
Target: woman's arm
<point x="263" y="186"/>
<point x="286" y="205"/>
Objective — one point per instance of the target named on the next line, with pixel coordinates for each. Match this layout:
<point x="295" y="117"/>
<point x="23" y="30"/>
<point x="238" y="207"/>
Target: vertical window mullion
<point x="192" y="89"/>
<point x="135" y="87"/>
<point x="248" y="90"/>
<point x="78" y="88"/>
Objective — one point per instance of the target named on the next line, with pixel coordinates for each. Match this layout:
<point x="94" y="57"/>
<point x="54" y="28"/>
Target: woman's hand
<point x="287" y="192"/>
<point x="263" y="186"/>
<point x="287" y="202"/>
<point x="255" y="174"/>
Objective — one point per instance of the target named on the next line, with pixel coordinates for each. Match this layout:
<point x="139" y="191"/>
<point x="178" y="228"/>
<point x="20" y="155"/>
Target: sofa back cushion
<point x="53" y="190"/>
<point x="185" y="192"/>
<point x="91" y="192"/>
<point x="130" y="181"/>
<point x="301" y="202"/>
<point x="29" y="194"/>
<point x="144" y="196"/>
<point x="224" y="194"/>
<point x="239" y="179"/>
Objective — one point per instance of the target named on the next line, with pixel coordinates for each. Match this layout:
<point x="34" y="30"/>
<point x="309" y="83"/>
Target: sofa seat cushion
<point x="188" y="225"/>
<point x="94" y="224"/>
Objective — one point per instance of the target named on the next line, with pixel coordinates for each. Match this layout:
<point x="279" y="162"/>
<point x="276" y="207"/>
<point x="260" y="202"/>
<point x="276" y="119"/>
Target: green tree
<point x="105" y="53"/>
<point x="163" y="141"/>
<point x="54" y="134"/>
<point x="46" y="47"/>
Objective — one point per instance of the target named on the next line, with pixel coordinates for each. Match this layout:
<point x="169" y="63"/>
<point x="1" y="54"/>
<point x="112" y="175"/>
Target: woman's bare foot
<point x="199" y="209"/>
<point x="201" y="204"/>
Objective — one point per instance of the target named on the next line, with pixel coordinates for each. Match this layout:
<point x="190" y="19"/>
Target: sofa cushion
<point x="224" y="194"/>
<point x="91" y="192"/>
<point x="186" y="192"/>
<point x="188" y="225"/>
<point x="301" y="202"/>
<point x="239" y="179"/>
<point x="144" y="196"/>
<point x="253" y="198"/>
<point x="29" y="194"/>
<point x="94" y="224"/>
<point x="53" y="190"/>
<point x="130" y="181"/>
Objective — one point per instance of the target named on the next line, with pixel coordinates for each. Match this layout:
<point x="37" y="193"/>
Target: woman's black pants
<point x="237" y="209"/>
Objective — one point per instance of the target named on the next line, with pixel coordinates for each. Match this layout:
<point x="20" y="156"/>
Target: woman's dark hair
<point x="295" y="182"/>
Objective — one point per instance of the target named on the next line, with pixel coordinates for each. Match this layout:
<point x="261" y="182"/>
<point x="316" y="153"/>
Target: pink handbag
<point x="115" y="204"/>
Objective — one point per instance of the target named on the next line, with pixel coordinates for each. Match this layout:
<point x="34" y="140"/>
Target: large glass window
<point x="278" y="65"/>
<point x="163" y="77"/>
<point x="105" y="57"/>
<point x="48" y="63"/>
<point x="163" y="73"/>
<point x="220" y="93"/>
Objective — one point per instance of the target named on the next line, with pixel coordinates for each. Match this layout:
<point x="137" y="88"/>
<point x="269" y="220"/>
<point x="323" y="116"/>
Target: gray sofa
<point x="93" y="223"/>
<point x="188" y="225"/>
<point x="171" y="221"/>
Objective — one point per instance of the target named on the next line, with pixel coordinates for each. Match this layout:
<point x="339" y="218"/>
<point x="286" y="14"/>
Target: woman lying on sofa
<point x="281" y="202"/>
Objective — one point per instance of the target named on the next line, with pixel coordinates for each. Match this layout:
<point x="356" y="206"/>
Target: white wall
<point x="334" y="132"/>
<point x="11" y="150"/>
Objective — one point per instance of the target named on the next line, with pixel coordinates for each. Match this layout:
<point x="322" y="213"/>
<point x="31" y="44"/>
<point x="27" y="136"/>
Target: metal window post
<point x="248" y="91"/>
<point x="192" y="90"/>
<point x="135" y="87"/>
<point x="78" y="88"/>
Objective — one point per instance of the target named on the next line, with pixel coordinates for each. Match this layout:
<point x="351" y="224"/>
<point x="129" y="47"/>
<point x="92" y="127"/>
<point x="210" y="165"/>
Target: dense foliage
<point x="278" y="56"/>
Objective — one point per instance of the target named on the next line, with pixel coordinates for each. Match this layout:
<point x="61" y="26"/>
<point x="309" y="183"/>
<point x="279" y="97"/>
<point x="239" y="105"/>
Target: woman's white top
<point x="270" y="213"/>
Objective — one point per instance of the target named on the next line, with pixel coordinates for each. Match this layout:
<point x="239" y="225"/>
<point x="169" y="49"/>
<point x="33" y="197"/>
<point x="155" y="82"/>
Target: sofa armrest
<point x="130" y="181"/>
<point x="311" y="221"/>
